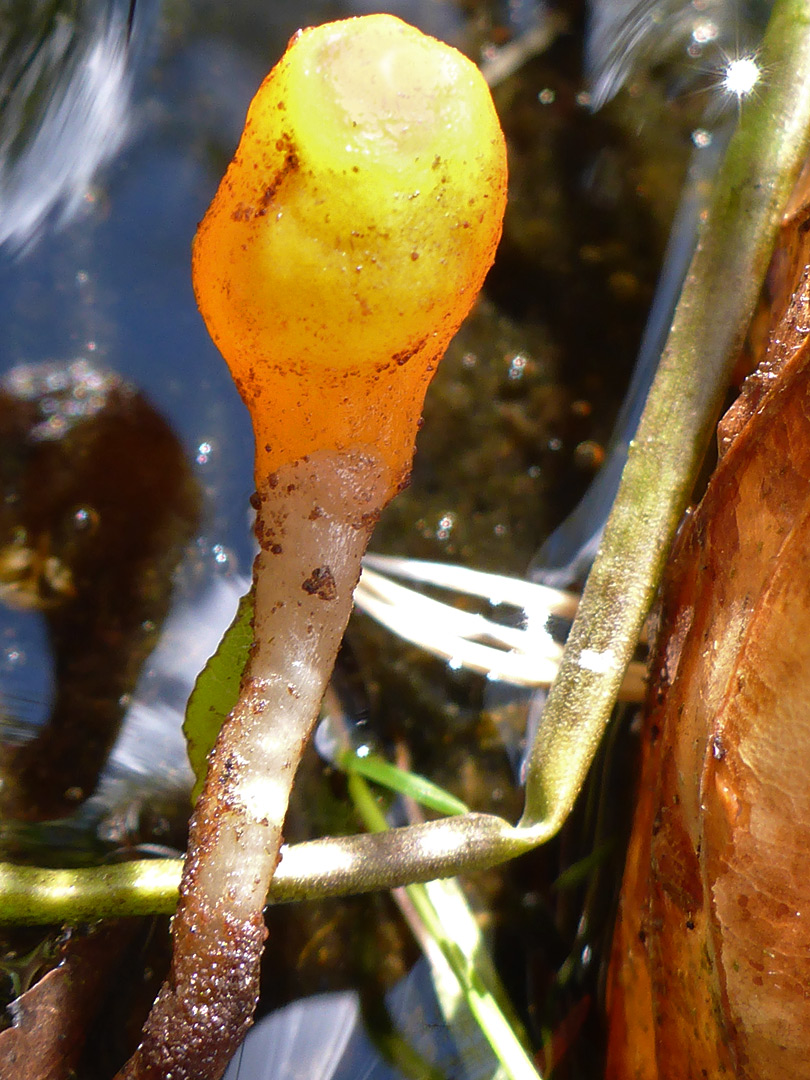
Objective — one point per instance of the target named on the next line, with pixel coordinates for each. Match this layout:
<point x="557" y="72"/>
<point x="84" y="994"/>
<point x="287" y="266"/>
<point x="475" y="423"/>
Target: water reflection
<point x="109" y="151"/>
<point x="281" y="1046"/>
<point x="67" y="77"/>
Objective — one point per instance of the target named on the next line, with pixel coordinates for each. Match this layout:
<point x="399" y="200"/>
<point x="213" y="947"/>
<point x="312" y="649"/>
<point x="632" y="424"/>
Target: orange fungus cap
<point x="350" y="236"/>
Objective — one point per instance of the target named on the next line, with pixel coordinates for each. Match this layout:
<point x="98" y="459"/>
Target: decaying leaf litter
<point x="709" y="968"/>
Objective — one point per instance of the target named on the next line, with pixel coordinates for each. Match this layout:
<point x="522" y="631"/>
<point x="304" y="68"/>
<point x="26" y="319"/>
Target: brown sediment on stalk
<point x="321" y="509"/>
<point x="320" y="583"/>
<point x="245" y="212"/>
<point x="230" y="976"/>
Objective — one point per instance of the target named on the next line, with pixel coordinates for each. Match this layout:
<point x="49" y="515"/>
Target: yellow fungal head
<point x="350" y="236"/>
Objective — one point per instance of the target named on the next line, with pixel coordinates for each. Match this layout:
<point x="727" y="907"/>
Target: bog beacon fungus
<point x="345" y="245"/>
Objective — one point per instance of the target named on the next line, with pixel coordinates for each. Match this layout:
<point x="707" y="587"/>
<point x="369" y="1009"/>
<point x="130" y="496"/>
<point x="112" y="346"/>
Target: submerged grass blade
<point x="758" y="174"/>
<point x="216" y="691"/>
<point x="412" y="785"/>
<point x="445" y="915"/>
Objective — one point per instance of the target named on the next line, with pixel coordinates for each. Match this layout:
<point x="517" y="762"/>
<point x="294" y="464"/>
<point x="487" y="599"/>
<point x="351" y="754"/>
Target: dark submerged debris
<point x="98" y="505"/>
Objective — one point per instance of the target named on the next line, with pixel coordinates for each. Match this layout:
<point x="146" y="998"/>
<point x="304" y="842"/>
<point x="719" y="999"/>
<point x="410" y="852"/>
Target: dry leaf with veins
<point x="710" y="971"/>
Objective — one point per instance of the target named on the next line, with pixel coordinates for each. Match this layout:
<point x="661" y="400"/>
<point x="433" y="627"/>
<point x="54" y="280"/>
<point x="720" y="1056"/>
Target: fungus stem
<point x="343" y="248"/>
<point x="314" y="518"/>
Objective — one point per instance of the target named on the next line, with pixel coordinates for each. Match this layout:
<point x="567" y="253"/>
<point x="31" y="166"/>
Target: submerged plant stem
<point x="331" y="866"/>
<point x="462" y="951"/>
<point x="719" y="295"/>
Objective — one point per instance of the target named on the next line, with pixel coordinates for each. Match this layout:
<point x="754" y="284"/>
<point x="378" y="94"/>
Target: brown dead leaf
<point x="710" y="971"/>
<point x="51" y="1019"/>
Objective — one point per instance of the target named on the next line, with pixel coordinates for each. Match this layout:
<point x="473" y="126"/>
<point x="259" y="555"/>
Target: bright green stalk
<point x="412" y="785"/>
<point x="30" y="894"/>
<point x="331" y="866"/>
<point x="759" y="172"/>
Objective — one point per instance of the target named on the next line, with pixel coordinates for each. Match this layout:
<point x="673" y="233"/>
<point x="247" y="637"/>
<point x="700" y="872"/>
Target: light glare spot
<point x="316" y="858"/>
<point x="441" y="842"/>
<point x="597" y="662"/>
<point x="741" y="76"/>
<point x="264" y="798"/>
<point x="705" y="31"/>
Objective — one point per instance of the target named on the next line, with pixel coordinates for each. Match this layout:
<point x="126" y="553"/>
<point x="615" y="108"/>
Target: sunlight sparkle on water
<point x="741" y="76"/>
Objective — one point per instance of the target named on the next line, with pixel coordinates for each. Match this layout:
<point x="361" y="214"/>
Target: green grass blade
<point x="720" y="292"/>
<point x="446" y="917"/>
<point x="412" y="785"/>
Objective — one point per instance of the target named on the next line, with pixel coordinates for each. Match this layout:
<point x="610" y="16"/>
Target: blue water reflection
<point x="117" y="162"/>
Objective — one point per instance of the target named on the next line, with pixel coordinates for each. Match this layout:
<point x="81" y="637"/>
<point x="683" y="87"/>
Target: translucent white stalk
<point x="314" y="519"/>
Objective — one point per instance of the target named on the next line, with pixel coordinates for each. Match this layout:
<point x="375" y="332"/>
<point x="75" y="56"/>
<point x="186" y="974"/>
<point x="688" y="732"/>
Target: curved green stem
<point x="331" y="866"/>
<point x="724" y="281"/>
<point x="33" y="895"/>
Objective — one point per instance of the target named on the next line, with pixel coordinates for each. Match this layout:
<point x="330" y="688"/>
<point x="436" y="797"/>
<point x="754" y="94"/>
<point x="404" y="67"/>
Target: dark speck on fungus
<point x="321" y="583"/>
